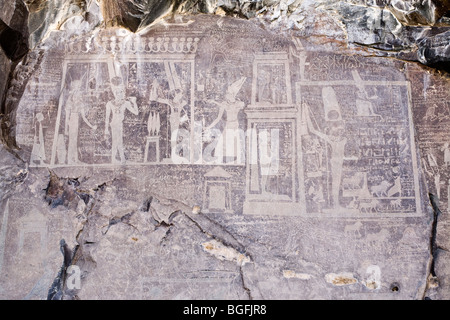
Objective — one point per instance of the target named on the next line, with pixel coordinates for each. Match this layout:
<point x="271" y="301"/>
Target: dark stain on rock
<point x="146" y="205"/>
<point x="64" y="191"/>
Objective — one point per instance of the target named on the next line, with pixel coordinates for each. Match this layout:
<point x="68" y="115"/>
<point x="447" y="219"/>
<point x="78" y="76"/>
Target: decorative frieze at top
<point x="131" y="44"/>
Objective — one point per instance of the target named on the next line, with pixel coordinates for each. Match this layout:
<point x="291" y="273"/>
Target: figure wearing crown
<point x="231" y="133"/>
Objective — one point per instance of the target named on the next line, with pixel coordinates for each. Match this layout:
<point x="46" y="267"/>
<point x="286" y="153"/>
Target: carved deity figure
<point x="363" y="102"/>
<point x="363" y="106"/>
<point x="117" y="108"/>
<point x="38" y="151"/>
<point x="176" y="107"/>
<point x="231" y="106"/>
<point x="337" y="141"/>
<point x="75" y="106"/>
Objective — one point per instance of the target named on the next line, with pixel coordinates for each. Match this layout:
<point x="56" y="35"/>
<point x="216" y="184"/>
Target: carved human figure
<point x="315" y="192"/>
<point x="38" y="151"/>
<point x="176" y="107"/>
<point x="318" y="150"/>
<point x="117" y="108"/>
<point x="231" y="106"/>
<point x="363" y="106"/>
<point x="75" y="106"/>
<point x="337" y="142"/>
<point x="264" y="86"/>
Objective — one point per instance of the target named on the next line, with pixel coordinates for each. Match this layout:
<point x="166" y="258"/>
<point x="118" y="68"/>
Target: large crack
<point x="244" y="286"/>
<point x="432" y="279"/>
<point x="68" y="191"/>
<point x="216" y="231"/>
<point x="235" y="245"/>
<point x="20" y="73"/>
<point x="205" y="224"/>
<point x="123" y="219"/>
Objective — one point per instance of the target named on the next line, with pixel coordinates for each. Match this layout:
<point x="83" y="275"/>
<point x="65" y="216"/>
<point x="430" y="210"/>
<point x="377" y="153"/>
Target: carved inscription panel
<point x="261" y="122"/>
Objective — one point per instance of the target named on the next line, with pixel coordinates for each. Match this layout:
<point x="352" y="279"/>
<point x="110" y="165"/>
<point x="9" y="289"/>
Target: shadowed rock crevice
<point x="168" y="234"/>
<point x="13" y="47"/>
<point x="13" y="43"/>
<point x="422" y="13"/>
<point x="433" y="279"/>
<point x="59" y="290"/>
<point x="20" y="74"/>
<point x="13" y="29"/>
<point x="434" y="51"/>
<point x="433" y="245"/>
<point x="244" y="286"/>
<point x="156" y="223"/>
<point x="64" y="191"/>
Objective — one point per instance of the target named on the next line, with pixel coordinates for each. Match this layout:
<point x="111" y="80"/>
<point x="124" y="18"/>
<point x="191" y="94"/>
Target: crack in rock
<point x="432" y="280"/>
<point x="244" y="286"/>
<point x="163" y="213"/>
<point x="204" y="223"/>
<point x="123" y="219"/>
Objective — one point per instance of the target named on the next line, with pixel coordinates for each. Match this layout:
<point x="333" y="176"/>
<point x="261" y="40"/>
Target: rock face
<point x="152" y="154"/>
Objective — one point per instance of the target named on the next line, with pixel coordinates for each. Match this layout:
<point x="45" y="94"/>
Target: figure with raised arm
<point x="337" y="142"/>
<point x="177" y="114"/>
<point x="117" y="108"/>
<point x="231" y="106"/>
